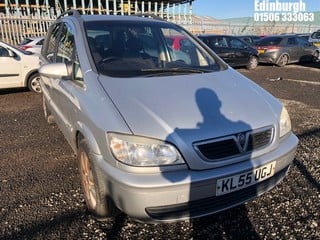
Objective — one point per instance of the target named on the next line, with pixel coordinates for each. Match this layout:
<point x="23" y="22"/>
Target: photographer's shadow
<point x="229" y="223"/>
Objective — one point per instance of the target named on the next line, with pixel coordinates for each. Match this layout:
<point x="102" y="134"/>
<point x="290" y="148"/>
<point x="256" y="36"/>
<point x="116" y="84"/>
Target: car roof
<point x="88" y="18"/>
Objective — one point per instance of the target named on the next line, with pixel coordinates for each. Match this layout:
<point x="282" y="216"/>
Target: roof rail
<point x="69" y="13"/>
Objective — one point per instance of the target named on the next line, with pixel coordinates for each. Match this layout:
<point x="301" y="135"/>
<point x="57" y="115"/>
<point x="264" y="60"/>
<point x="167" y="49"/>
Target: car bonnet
<point x="185" y="109"/>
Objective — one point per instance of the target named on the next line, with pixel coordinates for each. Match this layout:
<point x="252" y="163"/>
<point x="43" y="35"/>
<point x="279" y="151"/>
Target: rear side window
<point x="236" y="43"/>
<point x="292" y="41"/>
<point x="217" y="41"/>
<point x="40" y="42"/>
<point x="268" y="41"/>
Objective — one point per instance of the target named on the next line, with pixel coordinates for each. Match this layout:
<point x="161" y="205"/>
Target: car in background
<point x="250" y="39"/>
<point x="232" y="50"/>
<point x="284" y="49"/>
<point x="157" y="137"/>
<point x="32" y="44"/>
<point x="19" y="68"/>
<point x="315" y="38"/>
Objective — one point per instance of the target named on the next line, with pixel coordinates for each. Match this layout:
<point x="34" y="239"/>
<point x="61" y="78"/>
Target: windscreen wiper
<point x="160" y="71"/>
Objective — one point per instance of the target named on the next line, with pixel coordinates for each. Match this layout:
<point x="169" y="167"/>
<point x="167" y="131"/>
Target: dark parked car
<point x="250" y="39"/>
<point x="284" y="49"/>
<point x="232" y="50"/>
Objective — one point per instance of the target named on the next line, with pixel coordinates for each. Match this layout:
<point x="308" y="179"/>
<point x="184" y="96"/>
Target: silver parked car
<point x="161" y="134"/>
<point x="284" y="49"/>
<point x="32" y="44"/>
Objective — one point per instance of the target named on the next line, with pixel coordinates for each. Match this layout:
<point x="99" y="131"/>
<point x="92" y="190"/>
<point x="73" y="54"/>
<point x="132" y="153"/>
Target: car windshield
<point x="131" y="49"/>
<point x="268" y="41"/>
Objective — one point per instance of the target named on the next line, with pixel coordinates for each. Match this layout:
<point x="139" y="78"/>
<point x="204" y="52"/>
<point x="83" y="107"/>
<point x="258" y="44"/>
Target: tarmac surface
<point x="41" y="197"/>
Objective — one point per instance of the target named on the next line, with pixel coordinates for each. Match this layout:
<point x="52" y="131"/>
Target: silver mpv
<point x="162" y="133"/>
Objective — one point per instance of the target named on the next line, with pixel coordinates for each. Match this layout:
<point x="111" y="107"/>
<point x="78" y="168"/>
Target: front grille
<point x="235" y="145"/>
<point x="259" y="140"/>
<point x="214" y="204"/>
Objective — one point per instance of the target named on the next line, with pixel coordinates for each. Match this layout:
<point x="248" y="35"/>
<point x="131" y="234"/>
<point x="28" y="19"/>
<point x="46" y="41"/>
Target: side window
<point x="52" y="43"/>
<point x="235" y="43"/>
<point x="292" y="41"/>
<point x="220" y="42"/>
<point x="65" y="45"/>
<point x="66" y="52"/>
<point x="173" y="39"/>
<point x="247" y="39"/>
<point x="302" y="41"/>
<point x="4" y="52"/>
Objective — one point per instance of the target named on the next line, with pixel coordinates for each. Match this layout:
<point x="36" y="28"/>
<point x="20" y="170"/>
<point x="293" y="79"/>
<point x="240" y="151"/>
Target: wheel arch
<point x="282" y="54"/>
<point x="83" y="132"/>
<point x="28" y="75"/>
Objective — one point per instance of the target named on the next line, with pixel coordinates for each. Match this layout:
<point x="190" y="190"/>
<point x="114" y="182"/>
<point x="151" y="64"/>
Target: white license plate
<point x="243" y="180"/>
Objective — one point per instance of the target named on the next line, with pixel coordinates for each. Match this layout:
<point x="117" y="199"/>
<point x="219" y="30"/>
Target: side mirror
<point x="54" y="70"/>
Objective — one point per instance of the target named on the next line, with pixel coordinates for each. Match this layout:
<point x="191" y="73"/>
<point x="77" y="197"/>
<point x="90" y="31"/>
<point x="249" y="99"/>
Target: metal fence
<point x="14" y="29"/>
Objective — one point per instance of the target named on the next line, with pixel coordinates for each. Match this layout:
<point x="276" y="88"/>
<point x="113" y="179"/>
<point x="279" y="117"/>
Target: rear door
<point x="240" y="51"/>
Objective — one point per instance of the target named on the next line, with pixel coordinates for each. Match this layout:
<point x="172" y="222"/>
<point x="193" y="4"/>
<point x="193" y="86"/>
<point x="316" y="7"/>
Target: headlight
<point x="285" y="122"/>
<point x="140" y="151"/>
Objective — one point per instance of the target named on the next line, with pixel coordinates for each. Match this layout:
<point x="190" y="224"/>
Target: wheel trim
<point x="87" y="181"/>
<point x="253" y="62"/>
<point x="35" y="84"/>
<point x="284" y="60"/>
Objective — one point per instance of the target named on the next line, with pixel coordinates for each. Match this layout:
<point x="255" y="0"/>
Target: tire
<point x="93" y="185"/>
<point x="46" y="112"/>
<point x="34" y="83"/>
<point x="252" y="63"/>
<point x="315" y="57"/>
<point x="283" y="60"/>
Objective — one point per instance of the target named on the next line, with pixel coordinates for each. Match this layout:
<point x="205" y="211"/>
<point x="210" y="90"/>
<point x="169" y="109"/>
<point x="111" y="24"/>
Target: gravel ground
<point x="41" y="198"/>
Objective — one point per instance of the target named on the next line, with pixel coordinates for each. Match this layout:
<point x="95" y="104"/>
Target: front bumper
<point x="186" y="194"/>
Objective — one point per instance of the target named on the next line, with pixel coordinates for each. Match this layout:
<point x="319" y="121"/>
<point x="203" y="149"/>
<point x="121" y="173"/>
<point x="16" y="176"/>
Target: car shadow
<point x="13" y="90"/>
<point x="310" y="64"/>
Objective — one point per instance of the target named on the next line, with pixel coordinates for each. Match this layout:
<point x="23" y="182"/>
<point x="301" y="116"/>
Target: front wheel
<point x="252" y="63"/>
<point x="93" y="185"/>
<point x="34" y="83"/>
